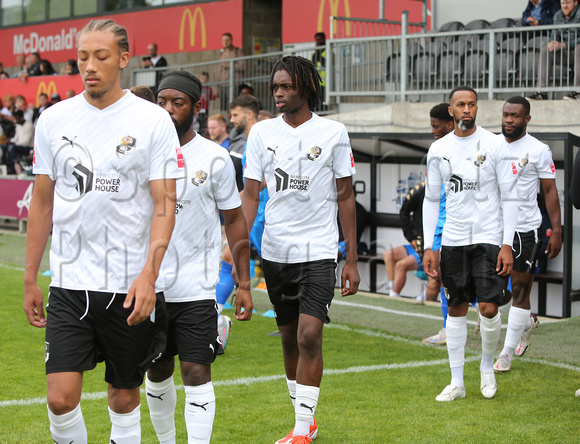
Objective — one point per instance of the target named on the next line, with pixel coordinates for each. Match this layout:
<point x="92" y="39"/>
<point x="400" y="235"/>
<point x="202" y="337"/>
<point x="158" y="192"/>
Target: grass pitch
<point x="379" y="385"/>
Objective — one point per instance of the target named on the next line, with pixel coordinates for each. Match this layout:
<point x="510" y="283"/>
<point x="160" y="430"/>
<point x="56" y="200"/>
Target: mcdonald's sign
<point x="192" y="19"/>
<point x="48" y="90"/>
<point x="333" y="12"/>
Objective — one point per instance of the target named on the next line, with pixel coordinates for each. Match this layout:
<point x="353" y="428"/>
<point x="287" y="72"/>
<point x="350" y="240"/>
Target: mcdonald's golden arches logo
<point x="192" y="19"/>
<point x="333" y="12"/>
<point x="42" y="88"/>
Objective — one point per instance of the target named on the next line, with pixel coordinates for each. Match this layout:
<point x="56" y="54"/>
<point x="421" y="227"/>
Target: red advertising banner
<point x="301" y="19"/>
<point x="197" y="27"/>
<point x="15" y="198"/>
<point x="41" y="84"/>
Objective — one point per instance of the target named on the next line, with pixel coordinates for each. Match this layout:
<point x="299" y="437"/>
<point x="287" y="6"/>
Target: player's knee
<point x="59" y="403"/>
<point x="488" y="310"/>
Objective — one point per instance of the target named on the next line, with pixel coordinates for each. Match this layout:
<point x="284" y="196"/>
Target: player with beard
<point x="534" y="165"/>
<point x="476" y="255"/>
<point x="191" y="266"/>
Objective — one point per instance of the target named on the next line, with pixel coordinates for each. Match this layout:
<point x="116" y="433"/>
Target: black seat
<point x="425" y="66"/>
<point x="451" y="63"/>
<point x="527" y="59"/>
<point x="477" y="63"/>
<point x="505" y="61"/>
<point x="452" y="26"/>
<point x="394" y="62"/>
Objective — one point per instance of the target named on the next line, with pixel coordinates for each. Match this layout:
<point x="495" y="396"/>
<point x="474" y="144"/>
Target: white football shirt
<point x="102" y="162"/>
<point x="472" y="168"/>
<point x="190" y="268"/>
<point x="533" y="161"/>
<point x="300" y="166"/>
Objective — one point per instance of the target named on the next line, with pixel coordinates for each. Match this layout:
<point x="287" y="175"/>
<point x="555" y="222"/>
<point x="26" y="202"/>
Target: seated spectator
<point x="69" y="93"/>
<point x="8" y="105"/>
<point x="55" y="98"/>
<point x="143" y="92"/>
<point x="217" y="130"/>
<point x="70" y="67"/>
<point x="20" y="104"/>
<point x="245" y="88"/>
<point x="46" y="68"/>
<point x="405" y="258"/>
<point x="32" y="62"/>
<point x="17" y="153"/>
<point x="563" y="49"/>
<point x="21" y="64"/>
<point x="540" y="12"/>
<point x="3" y="74"/>
<point x="43" y="103"/>
<point x="153" y="60"/>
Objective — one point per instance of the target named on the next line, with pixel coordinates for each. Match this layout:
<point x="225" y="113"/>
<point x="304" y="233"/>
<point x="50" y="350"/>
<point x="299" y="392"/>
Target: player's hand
<point x="34" y="305"/>
<point x="244" y="301"/>
<point x="505" y="261"/>
<point x="429" y="263"/>
<point x="554" y="245"/>
<point x="350" y="279"/>
<point x="142" y="293"/>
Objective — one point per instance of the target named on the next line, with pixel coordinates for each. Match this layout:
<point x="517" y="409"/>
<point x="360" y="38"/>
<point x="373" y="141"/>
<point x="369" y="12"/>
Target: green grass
<point x="379" y="387"/>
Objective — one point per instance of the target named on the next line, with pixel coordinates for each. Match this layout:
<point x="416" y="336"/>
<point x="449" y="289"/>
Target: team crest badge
<point x="314" y="153"/>
<point x="199" y="178"/>
<point x="126" y="145"/>
<point x="479" y="160"/>
<point x="523" y="162"/>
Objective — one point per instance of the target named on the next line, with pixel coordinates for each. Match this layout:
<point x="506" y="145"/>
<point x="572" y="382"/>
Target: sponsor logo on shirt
<point x="180" y="204"/>
<point x="126" y="145"/>
<point x="314" y="153"/>
<point x="553" y="168"/>
<point x="351" y="160"/>
<point x="199" y="179"/>
<point x="514" y="169"/>
<point x="285" y="181"/>
<point x="458" y="184"/>
<point x="180" y="161"/>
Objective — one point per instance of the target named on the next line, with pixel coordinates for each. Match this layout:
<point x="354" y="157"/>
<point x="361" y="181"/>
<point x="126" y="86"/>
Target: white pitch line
<point x="12" y="267"/>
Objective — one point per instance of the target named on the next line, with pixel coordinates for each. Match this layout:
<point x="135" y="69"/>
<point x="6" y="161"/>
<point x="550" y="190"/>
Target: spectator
<point x="20" y="104"/>
<point x="46" y="68"/>
<point x="405" y="258"/>
<point x="540" y="12"/>
<point x="8" y="105"/>
<point x="207" y="95"/>
<point x="245" y="88"/>
<point x="564" y="40"/>
<point x="20" y="145"/>
<point x="43" y="103"/>
<point x="217" y="129"/>
<point x="144" y="92"/>
<point x="319" y="60"/>
<point x="229" y="51"/>
<point x="20" y="63"/>
<point x="153" y="60"/>
<point x="264" y="115"/>
<point x="3" y="74"/>
<point x="32" y="62"/>
<point x="70" y="93"/>
<point x="70" y="67"/>
<point x="55" y="98"/>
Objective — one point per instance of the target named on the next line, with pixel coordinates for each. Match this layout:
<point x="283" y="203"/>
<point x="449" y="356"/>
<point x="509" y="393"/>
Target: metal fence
<point x="409" y="67"/>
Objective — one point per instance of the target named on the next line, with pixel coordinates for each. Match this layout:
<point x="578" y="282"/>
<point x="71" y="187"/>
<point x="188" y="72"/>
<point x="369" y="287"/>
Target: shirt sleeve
<point x="253" y="166"/>
<point x="545" y="166"/>
<point x="42" y="158"/>
<point x="433" y="182"/>
<point x="164" y="160"/>
<point x="226" y="190"/>
<point x="343" y="162"/>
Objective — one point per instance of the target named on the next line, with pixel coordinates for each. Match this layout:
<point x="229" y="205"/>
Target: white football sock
<point x="394" y="294"/>
<point x="391" y="284"/>
<point x="456" y="331"/>
<point x="199" y="412"/>
<point x="161" y="399"/>
<point x="291" y="390"/>
<point x="305" y="407"/>
<point x="490" y="330"/>
<point x="220" y="307"/>
<point x="517" y="321"/>
<point x="126" y="427"/>
<point x="68" y="427"/>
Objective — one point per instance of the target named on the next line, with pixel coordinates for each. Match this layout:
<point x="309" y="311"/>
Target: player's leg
<point x="199" y="401"/>
<point x="64" y="410"/>
<point x="392" y="256"/>
<point x="456" y="276"/>
<point x="125" y="414"/>
<point x="161" y="399"/>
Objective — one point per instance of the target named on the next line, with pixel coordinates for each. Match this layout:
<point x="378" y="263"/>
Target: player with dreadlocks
<point x="308" y="166"/>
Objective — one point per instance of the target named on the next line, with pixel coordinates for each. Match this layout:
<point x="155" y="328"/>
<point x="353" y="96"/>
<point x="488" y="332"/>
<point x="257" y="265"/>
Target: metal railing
<point x="408" y="67"/>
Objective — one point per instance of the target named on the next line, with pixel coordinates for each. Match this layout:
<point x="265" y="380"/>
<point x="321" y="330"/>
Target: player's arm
<point x="431" y="215"/>
<point x="142" y="290"/>
<point x="238" y="240"/>
<point x="38" y="230"/>
<point x="553" y="207"/>
<point x="350" y="278"/>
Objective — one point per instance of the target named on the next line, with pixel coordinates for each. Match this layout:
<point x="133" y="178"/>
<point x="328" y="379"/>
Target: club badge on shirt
<point x="199" y="179"/>
<point x="126" y="145"/>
